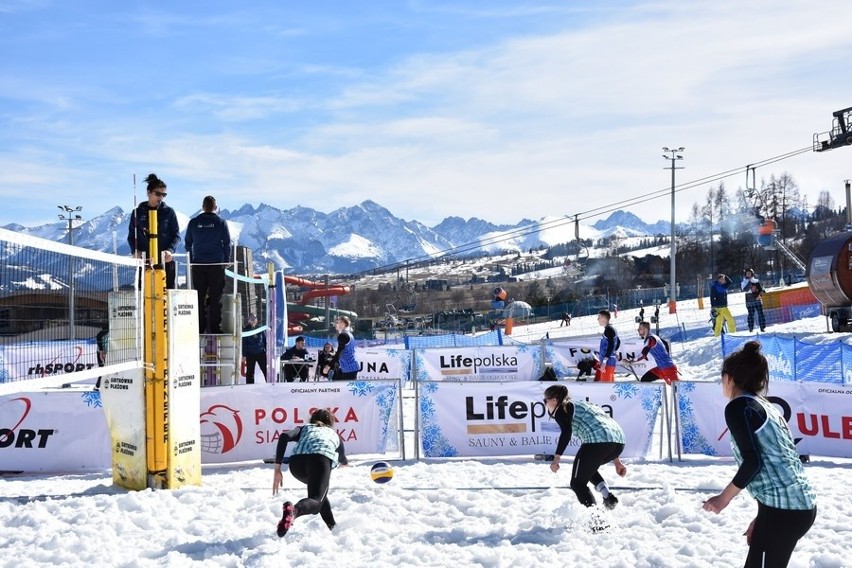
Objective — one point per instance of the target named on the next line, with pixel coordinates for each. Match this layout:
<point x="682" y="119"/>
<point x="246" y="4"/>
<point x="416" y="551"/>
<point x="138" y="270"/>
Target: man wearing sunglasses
<point x="168" y="231"/>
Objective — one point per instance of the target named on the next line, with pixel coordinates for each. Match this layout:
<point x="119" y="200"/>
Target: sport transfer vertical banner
<point x="123" y="396"/>
<point x="183" y="390"/>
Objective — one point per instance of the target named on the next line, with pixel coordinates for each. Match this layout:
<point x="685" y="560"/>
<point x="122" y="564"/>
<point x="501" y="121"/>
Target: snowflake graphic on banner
<point x="361" y="388"/>
<point x="693" y="441"/>
<point x="435" y="444"/>
<point x="422" y="374"/>
<point x="385" y="399"/>
<point x="92" y="399"/>
<point x="626" y="390"/>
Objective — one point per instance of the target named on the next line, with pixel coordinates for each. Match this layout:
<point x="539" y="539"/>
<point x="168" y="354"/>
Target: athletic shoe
<point x="610" y="502"/>
<point x="286" y="519"/>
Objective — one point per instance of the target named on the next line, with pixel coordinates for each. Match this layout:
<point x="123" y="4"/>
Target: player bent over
<point x="603" y="442"/>
<point x="665" y="369"/>
<point x="318" y="450"/>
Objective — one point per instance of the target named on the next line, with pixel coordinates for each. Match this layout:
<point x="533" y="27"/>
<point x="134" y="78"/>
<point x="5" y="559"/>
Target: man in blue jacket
<point x="208" y="243"/>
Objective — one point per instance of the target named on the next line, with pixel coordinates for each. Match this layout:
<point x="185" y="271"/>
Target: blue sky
<point x="501" y="110"/>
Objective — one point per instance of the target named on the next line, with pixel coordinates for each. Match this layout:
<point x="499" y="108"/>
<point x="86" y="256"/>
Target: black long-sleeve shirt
<point x="745" y="416"/>
<point x="293" y="436"/>
<point x="563" y="416"/>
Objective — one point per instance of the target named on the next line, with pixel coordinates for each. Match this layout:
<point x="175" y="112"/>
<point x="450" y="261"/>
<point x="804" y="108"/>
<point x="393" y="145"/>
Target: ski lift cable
<point x="589" y="214"/>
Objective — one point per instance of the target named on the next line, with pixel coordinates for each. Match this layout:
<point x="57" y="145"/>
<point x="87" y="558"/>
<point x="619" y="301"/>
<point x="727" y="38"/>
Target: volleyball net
<point x="67" y="314"/>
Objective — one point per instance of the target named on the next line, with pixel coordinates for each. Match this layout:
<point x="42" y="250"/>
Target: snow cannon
<point x="499" y="300"/>
<point x="829" y="274"/>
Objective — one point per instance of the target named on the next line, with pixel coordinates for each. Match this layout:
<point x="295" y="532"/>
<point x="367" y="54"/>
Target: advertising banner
<point x="565" y="356"/>
<point x="818" y="415"/>
<point x="183" y="390"/>
<point x="245" y="422"/>
<point x="123" y="396"/>
<point x="53" y="431"/>
<point x="383" y="363"/>
<point x="487" y="363"/>
<point x="46" y="359"/>
<point x="499" y="419"/>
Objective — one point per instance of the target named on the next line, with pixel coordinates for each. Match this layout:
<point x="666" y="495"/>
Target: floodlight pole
<point x="70" y="216"/>
<point x="673" y="253"/>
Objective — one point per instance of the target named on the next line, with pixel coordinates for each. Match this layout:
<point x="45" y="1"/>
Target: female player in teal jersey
<point x="318" y="450"/>
<point x="769" y="464"/>
<point x="603" y="442"/>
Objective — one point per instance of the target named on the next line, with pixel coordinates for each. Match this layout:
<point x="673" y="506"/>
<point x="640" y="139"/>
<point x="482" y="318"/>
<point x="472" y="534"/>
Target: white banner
<point x="486" y="363"/>
<point x="244" y="422"/>
<point x="183" y="390"/>
<point x="818" y="415"/>
<point x="565" y="355"/>
<point x="46" y="359"/>
<point x="383" y="363"/>
<point x="53" y="431"/>
<point x="124" y="398"/>
<point x="498" y="419"/>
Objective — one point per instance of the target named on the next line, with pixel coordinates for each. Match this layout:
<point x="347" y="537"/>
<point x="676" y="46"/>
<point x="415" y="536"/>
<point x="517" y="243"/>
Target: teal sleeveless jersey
<point x="780" y="482"/>
<point x="593" y="426"/>
<point x="320" y="440"/>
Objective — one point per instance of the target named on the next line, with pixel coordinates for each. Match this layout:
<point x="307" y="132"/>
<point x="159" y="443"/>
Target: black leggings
<point x="313" y="470"/>
<point x="586" y="463"/>
<point x="776" y="533"/>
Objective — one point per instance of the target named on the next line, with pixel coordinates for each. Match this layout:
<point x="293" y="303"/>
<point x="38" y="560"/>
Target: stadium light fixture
<point x="674" y="157"/>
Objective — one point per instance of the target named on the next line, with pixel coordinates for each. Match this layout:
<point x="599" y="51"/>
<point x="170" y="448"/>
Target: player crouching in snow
<point x="602" y="442"/>
<point x="318" y="450"/>
<point x="657" y="348"/>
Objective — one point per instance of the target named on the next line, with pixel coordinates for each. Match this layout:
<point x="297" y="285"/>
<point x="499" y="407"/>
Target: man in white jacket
<point x="753" y="291"/>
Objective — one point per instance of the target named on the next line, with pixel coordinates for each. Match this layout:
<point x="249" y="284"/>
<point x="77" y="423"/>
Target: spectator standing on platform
<point x="719" y="304"/>
<point x="324" y="360"/>
<point x="208" y="243"/>
<point x="296" y="353"/>
<point x="318" y="450"/>
<point x="665" y="368"/>
<point x="608" y="347"/>
<point x="602" y="442"/>
<point x="344" y="357"/>
<point x="254" y="350"/>
<point x="753" y="291"/>
<point x="168" y="231"/>
<point x="769" y="464"/>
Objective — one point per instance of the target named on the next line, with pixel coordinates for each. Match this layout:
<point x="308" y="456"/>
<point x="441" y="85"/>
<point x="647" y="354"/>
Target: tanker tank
<point x="829" y="276"/>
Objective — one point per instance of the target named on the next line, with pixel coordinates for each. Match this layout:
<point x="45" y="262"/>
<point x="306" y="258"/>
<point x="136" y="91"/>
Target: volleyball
<point x="381" y="472"/>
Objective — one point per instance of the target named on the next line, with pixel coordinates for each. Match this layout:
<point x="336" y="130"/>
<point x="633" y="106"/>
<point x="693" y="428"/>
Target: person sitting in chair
<point x="296" y="353"/>
<point x="324" y="361"/>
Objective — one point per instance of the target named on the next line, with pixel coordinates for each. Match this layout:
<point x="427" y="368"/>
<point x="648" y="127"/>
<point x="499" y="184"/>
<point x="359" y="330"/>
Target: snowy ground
<point x="509" y="512"/>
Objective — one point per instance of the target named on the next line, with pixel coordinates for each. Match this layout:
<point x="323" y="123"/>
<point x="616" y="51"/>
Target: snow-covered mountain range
<point x="354" y="239"/>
